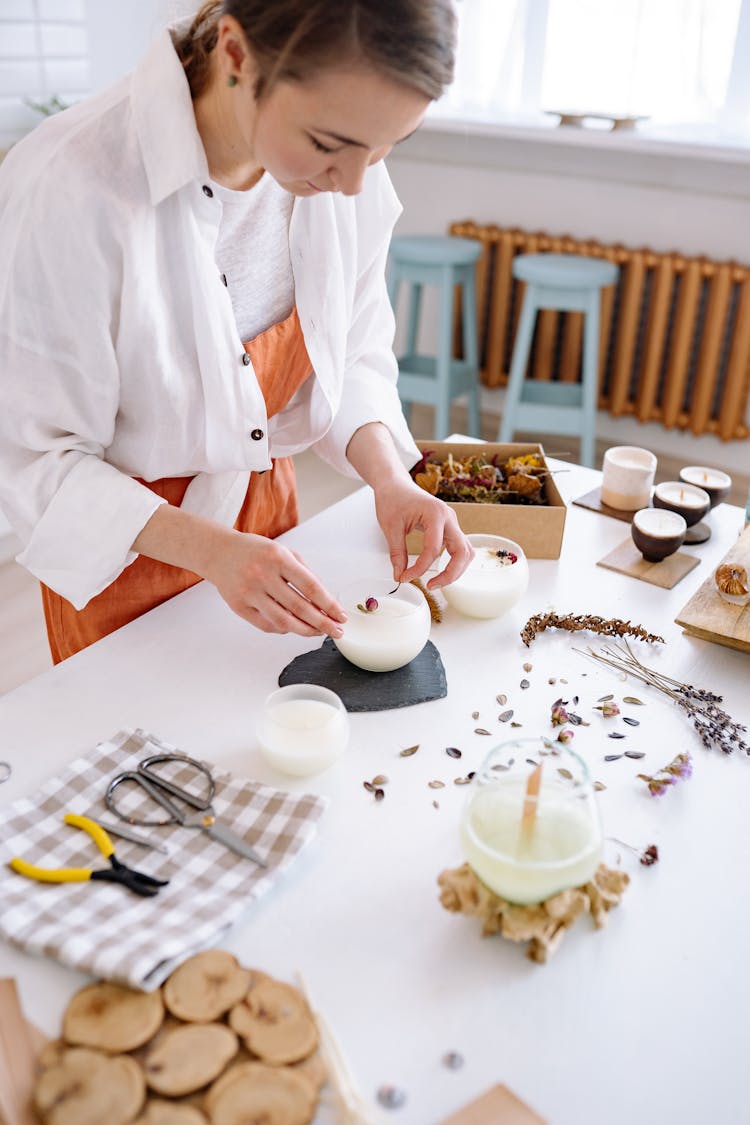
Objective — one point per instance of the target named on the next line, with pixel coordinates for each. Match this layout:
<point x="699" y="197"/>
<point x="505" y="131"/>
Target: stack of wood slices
<point x="217" y="1043"/>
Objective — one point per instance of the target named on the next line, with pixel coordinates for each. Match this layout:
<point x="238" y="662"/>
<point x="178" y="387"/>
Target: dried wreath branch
<point x="435" y="611"/>
<point x="713" y="725"/>
<point x="574" y="623"/>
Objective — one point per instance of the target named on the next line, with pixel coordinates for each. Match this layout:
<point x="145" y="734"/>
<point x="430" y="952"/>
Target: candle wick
<point x="530" y="804"/>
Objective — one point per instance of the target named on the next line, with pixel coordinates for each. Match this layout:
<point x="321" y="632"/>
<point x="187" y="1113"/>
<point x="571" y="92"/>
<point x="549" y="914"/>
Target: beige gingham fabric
<point x="106" y="930"/>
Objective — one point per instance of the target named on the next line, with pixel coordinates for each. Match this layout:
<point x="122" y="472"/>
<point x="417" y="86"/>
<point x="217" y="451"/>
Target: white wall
<point x="120" y="32"/>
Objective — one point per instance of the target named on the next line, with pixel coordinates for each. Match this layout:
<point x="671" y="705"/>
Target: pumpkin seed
<point x="632" y="699"/>
<point x="565" y="773"/>
<point x="605" y="698"/>
<point x="453" y="752"/>
<point x="436" y="784"/>
<point x="502" y="699"/>
<point x="612" y="757"/>
<point x="481" y="730"/>
<point x="616" y="734"/>
<point x="631" y="722"/>
<point x="505" y="717"/>
<point x="634" y="754"/>
<point x="524" y="684"/>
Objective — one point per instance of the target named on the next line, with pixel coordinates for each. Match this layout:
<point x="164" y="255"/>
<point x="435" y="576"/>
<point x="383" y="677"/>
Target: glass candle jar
<point x="524" y="845"/>
<point x="385" y="627"/>
<point x="495" y="579"/>
<point x="303" y="729"/>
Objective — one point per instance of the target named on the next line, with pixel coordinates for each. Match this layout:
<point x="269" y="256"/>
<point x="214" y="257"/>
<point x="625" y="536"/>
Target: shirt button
<point x="246" y="359"/>
<point x="207" y="191"/>
<point x="224" y="279"/>
<point x="256" y="435"/>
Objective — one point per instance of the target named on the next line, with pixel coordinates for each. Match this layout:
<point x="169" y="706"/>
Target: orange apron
<point x="281" y="364"/>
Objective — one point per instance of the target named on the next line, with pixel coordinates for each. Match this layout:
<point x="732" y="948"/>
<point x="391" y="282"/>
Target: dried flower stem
<point x="435" y="611"/>
<point x="574" y="623"/>
<point x="713" y="725"/>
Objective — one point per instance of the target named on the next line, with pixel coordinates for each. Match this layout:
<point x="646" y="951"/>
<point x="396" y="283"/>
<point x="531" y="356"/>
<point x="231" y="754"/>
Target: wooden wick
<point x="530" y="804"/>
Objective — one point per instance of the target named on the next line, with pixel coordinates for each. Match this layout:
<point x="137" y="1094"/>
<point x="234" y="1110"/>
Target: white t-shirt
<point x="252" y="254"/>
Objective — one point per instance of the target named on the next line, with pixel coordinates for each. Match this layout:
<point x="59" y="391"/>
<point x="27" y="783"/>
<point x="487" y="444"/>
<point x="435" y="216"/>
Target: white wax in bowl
<point x="391" y="635"/>
<point x="682" y="495"/>
<point x="705" y="478"/>
<point x="300" y="735"/>
<point x="491" y="584"/>
<point x="661" y="523"/>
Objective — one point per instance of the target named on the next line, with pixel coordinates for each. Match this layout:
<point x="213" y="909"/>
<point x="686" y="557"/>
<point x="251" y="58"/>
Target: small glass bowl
<point x="389" y="636"/>
<point x="303" y="729"/>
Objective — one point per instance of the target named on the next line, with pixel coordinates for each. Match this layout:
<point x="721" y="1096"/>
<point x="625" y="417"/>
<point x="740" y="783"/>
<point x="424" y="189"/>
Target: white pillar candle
<point x="627" y="477"/>
<point x="303" y="729"/>
<point x="391" y="633"/>
<point x="495" y="579"/>
<point x="560" y="849"/>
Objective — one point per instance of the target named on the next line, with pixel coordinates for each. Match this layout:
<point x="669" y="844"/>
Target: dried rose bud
<point x="565" y="736"/>
<point x="559" y="716"/>
<point x="371" y="604"/>
<point x="608" y="710"/>
<point x="650" y="855"/>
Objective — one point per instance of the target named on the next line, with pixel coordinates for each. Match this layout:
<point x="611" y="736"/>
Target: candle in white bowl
<point x="303" y="729"/>
<point x="713" y="481"/>
<point x="688" y="501"/>
<point x="495" y="579"/>
<point x="627" y="477"/>
<point x="528" y="832"/>
<point x="388" y="634"/>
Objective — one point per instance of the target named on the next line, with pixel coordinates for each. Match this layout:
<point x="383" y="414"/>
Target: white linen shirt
<point x="119" y="351"/>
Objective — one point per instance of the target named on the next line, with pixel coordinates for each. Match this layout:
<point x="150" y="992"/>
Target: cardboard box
<point x="538" y="528"/>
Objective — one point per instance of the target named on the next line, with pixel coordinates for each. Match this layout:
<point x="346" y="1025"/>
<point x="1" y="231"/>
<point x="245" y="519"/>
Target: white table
<point x="643" y="1021"/>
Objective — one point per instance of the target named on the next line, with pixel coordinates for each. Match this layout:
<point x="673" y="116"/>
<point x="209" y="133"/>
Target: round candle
<point x="303" y="729"/>
<point x="713" y="481"/>
<point x="658" y="532"/>
<point x="388" y="634"/>
<point x="688" y="501"/>
<point x="627" y="477"/>
<point x="526" y="847"/>
<point x="495" y="579"/>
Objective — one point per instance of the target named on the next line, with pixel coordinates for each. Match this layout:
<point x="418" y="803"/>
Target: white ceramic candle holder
<point x="388" y="635"/>
<point x="528" y="862"/>
<point x="495" y="579"/>
<point x="627" y="477"/>
<point x="303" y="729"/>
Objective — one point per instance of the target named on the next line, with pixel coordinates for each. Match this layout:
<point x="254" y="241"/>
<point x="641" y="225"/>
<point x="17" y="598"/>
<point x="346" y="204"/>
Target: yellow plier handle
<point x="67" y="874"/>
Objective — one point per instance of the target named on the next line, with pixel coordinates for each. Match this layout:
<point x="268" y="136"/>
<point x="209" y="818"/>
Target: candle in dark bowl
<point x="688" y="501"/>
<point x="657" y="533"/>
<point x="712" y="481"/>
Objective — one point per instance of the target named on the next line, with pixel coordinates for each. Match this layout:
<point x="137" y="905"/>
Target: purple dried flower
<point x="608" y="709"/>
<point x="679" y="769"/>
<point x="371" y="604"/>
<point x="565" y="736"/>
<point x="559" y="716"/>
<point x="650" y="855"/>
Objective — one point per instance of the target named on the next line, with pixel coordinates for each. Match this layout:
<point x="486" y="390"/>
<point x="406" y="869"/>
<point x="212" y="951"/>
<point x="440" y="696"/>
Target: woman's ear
<point x="232" y="49"/>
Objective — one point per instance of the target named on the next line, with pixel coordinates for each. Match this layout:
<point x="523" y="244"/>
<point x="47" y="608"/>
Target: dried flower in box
<point x="479" y="480"/>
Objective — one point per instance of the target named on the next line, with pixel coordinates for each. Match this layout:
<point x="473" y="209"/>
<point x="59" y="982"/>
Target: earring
<point x="232" y="80"/>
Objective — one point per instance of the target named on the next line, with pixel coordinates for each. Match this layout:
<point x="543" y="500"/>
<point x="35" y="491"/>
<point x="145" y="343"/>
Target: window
<point x="43" y="55"/>
<point x="682" y="64"/>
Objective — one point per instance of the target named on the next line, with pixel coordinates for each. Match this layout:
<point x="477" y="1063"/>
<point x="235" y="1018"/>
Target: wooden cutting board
<point x="708" y="616"/>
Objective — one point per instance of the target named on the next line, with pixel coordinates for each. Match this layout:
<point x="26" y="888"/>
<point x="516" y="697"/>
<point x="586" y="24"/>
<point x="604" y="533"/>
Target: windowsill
<point x="636" y="156"/>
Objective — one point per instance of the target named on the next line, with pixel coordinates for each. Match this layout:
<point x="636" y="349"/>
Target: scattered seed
<point x="563" y="680"/>
<point x="631" y="722"/>
<point x="436" y="784"/>
<point x="502" y="699"/>
<point x="475" y="715"/>
<point x="390" y="1097"/>
<point x="552" y="680"/>
<point x="470" y="774"/>
<point x="527" y="667"/>
<point x="514" y="724"/>
<point x="524" y="684"/>
<point x="380" y="779"/>
<point x="565" y="773"/>
<point x="453" y="1060"/>
<point x="612" y="757"/>
<point x="605" y="698"/>
<point x="500" y="767"/>
<point x="634" y="754"/>
<point x="511" y="761"/>
<point x="462" y="781"/>
<point x="616" y="734"/>
<point x="453" y="752"/>
<point x="599" y="785"/>
<point x="407" y="753"/>
<point x="531" y="762"/>
<point x="379" y="794"/>
<point x="575" y="700"/>
<point x="436" y="804"/>
<point x="505" y="717"/>
<point x="632" y="699"/>
<point x="481" y="730"/>
<point x="369" y="786"/>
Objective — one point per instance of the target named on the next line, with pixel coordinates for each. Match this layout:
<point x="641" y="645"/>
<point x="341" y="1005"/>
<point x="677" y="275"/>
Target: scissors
<point x="162" y="791"/>
<point x="117" y="872"/>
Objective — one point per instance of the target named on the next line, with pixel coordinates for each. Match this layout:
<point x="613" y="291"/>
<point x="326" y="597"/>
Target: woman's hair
<point x="411" y="41"/>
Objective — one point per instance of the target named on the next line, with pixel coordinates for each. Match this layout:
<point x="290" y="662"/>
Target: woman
<point x="193" y="291"/>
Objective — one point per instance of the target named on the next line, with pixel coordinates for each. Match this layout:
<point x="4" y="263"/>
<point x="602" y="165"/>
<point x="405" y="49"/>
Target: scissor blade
<point x="234" y="842"/>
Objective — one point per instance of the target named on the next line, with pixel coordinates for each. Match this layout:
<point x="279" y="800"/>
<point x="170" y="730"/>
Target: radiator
<point x="675" y="331"/>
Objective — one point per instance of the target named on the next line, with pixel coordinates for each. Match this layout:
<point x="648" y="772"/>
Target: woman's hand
<point x="403" y="506"/>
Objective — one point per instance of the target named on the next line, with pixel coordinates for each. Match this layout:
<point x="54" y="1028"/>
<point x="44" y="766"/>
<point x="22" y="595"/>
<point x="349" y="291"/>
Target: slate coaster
<point x="593" y="501"/>
<point x="418" y="682"/>
<point x="627" y="559"/>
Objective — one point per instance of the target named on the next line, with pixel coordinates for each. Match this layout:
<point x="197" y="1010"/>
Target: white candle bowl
<point x="528" y="862"/>
<point x="688" y="501"/>
<point x="303" y="729"/>
<point x="658" y="533"/>
<point x="495" y="579"/>
<point x="627" y="477"/>
<point x="386" y="637"/>
<point x="713" y="481"/>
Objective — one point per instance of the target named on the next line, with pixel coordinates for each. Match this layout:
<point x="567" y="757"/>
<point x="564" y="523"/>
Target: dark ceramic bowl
<point x="655" y="543"/>
<point x="691" y="513"/>
<point x="692" y="474"/>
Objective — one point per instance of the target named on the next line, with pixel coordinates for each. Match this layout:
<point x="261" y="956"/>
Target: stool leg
<point x="415" y="308"/>
<point x="518" y="363"/>
<point x="443" y="361"/>
<point x="590" y="377"/>
<point x="471" y="350"/>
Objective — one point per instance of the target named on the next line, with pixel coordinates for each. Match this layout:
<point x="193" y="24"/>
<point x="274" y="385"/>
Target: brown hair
<point x="412" y="41"/>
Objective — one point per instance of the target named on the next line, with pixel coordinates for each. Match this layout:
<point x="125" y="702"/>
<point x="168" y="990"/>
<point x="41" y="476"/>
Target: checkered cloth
<point x="106" y="930"/>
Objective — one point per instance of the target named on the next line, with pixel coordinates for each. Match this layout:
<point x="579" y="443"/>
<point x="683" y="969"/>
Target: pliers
<point x="117" y="872"/>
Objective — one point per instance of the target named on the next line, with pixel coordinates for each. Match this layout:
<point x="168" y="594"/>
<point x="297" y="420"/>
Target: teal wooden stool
<point x="422" y="260"/>
<point x="570" y="283"/>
